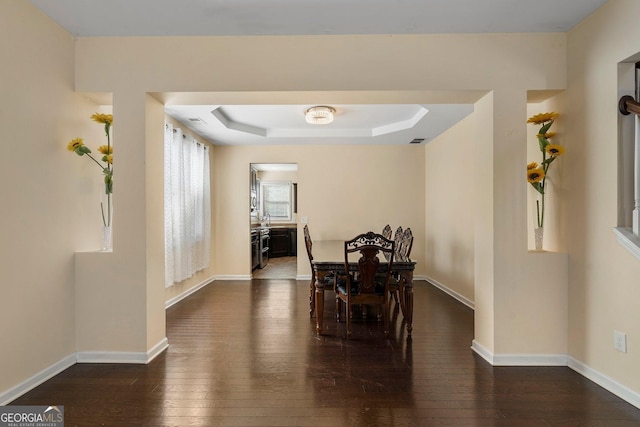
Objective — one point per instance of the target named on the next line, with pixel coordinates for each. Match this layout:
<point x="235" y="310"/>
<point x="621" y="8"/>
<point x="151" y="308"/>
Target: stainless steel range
<point x="263" y="258"/>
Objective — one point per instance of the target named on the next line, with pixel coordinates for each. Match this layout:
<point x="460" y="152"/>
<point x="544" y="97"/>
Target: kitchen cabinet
<point x="279" y="242"/>
<point x="283" y="242"/>
<point x="254" y="179"/>
<point x="254" y="194"/>
<point x="293" y="242"/>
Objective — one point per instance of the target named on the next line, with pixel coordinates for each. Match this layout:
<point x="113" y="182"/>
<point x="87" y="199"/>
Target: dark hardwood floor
<point x="246" y="354"/>
<point x="285" y="267"/>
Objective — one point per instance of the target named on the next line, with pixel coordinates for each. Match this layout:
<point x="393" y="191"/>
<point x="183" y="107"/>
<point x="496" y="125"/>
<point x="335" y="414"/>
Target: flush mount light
<point x="320" y="115"/>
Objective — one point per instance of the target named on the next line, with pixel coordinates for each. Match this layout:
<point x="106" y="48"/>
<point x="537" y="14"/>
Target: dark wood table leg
<point x="312" y="296"/>
<point x="406" y="291"/>
<point x="319" y="300"/>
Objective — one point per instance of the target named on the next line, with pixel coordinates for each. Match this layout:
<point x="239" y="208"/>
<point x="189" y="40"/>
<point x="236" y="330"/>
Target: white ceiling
<point x="355" y="123"/>
<point x="88" y="18"/>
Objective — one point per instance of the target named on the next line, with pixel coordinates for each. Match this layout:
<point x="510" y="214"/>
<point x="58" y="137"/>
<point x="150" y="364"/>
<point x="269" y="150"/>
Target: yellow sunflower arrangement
<point x="77" y="146"/>
<point x="537" y="174"/>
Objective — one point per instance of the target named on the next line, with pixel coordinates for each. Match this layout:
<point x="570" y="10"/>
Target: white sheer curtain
<point x="187" y="206"/>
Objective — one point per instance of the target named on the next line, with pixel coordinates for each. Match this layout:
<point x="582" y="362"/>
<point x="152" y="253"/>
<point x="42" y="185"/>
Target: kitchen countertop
<point x="277" y="225"/>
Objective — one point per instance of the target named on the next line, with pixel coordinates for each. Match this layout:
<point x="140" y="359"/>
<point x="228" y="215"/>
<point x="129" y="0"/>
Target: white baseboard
<point x="605" y="382"/>
<point x="188" y="292"/>
<point x="530" y="360"/>
<point x="81" y="357"/>
<point x="154" y="351"/>
<point x="519" y="359"/>
<point x="306" y="277"/>
<point x="482" y="352"/>
<point x="122" y="356"/>
<point x="234" y="277"/>
<point x="602" y="380"/>
<point x="466" y="301"/>
<point x="8" y="396"/>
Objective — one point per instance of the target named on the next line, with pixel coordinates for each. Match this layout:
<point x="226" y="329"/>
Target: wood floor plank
<point x="246" y="354"/>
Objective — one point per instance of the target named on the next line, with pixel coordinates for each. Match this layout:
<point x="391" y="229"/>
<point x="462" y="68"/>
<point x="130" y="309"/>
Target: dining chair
<point x="312" y="284"/>
<point x="398" y="237"/>
<point x="404" y="243"/>
<point x="371" y="285"/>
<point x="330" y="278"/>
<point x="405" y="246"/>
<point x="386" y="232"/>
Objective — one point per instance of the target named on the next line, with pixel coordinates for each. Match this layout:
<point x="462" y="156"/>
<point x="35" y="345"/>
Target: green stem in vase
<point x="102" y="212"/>
<point x="109" y="167"/>
<point x="541" y="221"/>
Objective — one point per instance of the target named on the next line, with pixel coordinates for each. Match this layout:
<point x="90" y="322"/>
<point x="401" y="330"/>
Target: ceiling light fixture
<point x="320" y="115"/>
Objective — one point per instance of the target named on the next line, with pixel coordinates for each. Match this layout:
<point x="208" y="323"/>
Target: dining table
<point x="328" y="258"/>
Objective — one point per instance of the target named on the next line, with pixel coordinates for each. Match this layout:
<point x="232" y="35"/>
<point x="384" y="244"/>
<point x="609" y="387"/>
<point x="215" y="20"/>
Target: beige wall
<point x="483" y="230"/>
<point x="450" y="208"/>
<point x="532" y="316"/>
<point x="603" y="281"/>
<point x="154" y="167"/>
<point x="285" y="63"/>
<point x="117" y="292"/>
<point x="44" y="190"/>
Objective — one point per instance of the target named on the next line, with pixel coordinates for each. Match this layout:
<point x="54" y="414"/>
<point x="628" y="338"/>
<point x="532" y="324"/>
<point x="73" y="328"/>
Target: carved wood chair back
<point x="308" y="244"/>
<point x="398" y="239"/>
<point x="373" y="273"/>
<point x="386" y="232"/>
<point x="329" y="278"/>
<point x="312" y="283"/>
<point x="406" y="244"/>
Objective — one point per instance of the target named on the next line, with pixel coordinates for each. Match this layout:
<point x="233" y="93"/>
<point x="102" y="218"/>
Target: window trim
<point x="628" y="240"/>
<point x="627" y="232"/>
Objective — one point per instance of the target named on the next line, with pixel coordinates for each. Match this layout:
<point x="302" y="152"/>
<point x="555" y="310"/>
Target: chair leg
<point x="312" y="297"/>
<point x="395" y="291"/>
<point x="338" y="308"/>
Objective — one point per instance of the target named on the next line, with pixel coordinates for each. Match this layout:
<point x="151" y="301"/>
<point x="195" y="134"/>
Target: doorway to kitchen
<point x="273" y="204"/>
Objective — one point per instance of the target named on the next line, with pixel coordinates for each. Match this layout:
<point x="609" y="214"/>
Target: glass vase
<point x="106" y="210"/>
<point x="106" y="238"/>
<point x="538" y="234"/>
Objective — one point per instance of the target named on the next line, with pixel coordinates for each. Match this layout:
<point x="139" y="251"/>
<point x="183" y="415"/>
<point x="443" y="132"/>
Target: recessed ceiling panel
<point x="285" y="124"/>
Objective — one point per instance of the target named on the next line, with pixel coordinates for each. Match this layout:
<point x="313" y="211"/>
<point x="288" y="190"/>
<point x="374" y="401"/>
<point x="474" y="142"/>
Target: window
<point x="187" y="206"/>
<point x="276" y="200"/>
<point x="627" y="231"/>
